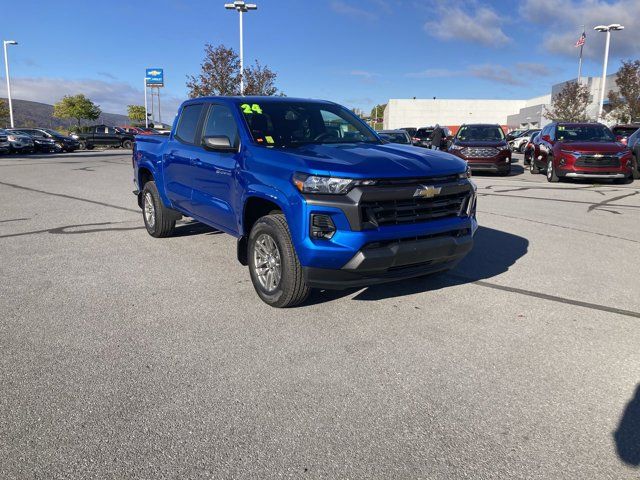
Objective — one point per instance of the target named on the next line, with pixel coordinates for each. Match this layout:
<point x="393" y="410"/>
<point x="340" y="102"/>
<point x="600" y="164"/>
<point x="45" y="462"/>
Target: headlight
<point x="465" y="174"/>
<point x="571" y="152"/>
<point x="326" y="185"/>
<point x="503" y="147"/>
<point x="75" y="136"/>
<point x="12" y="138"/>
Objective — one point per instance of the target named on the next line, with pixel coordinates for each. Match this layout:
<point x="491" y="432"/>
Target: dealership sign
<point x="154" y="77"/>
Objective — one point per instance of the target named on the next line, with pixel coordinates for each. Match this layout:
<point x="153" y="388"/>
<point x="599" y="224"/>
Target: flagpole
<point x="580" y="61"/>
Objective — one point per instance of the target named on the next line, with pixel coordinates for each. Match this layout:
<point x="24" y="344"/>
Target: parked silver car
<point x="19" y="142"/>
<point x="5" y="146"/>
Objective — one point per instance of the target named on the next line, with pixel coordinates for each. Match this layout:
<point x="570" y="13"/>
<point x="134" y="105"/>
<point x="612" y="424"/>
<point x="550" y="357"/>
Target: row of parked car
<point x="560" y="150"/>
<point x="30" y="140"/>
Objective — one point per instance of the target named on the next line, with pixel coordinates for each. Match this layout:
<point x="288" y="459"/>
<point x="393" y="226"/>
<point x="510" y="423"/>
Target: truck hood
<point x="361" y="160"/>
<point x="593" y="147"/>
<point x="479" y="143"/>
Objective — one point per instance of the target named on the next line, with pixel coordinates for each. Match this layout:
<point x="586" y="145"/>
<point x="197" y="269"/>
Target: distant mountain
<point x="34" y="114"/>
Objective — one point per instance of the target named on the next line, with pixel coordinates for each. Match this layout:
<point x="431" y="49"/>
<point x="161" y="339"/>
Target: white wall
<point x="422" y="113"/>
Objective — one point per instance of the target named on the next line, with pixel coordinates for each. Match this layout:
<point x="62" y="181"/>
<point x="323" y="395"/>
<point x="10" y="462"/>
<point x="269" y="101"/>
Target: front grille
<point x="413" y="210"/>
<point x="593" y="161"/>
<point x="479" y="152"/>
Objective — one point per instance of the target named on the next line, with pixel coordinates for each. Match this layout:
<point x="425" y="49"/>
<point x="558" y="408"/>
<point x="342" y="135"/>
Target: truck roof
<point x="258" y="99"/>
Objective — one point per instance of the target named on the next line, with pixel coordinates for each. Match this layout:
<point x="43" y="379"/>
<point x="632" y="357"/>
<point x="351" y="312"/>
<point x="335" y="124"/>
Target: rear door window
<point x="187" y="129"/>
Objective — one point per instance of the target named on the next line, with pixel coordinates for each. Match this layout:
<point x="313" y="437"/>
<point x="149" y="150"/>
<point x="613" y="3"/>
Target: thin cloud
<point x="481" y="25"/>
<point x="347" y="9"/>
<point x="113" y="97"/>
<point x="108" y="75"/>
<point x="517" y="75"/>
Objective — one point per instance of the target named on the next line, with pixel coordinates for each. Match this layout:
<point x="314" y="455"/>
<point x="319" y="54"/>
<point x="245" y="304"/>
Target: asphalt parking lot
<point x="125" y="356"/>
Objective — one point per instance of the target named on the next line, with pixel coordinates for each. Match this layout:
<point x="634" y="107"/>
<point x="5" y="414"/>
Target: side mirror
<point x="218" y="143"/>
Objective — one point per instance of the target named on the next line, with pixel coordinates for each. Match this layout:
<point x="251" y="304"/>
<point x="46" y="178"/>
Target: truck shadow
<point x="192" y="227"/>
<point x="494" y="252"/>
<point x="627" y="436"/>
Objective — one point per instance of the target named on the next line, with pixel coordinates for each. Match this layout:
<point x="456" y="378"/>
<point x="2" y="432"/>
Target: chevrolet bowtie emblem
<point x="427" y="191"/>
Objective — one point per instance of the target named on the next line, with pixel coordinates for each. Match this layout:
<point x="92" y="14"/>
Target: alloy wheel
<point x="266" y="262"/>
<point x="149" y="210"/>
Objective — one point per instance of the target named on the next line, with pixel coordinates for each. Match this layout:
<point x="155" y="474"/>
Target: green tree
<point x="220" y="75"/>
<point x="4" y="112"/>
<point x="570" y="105"/>
<point x="378" y="110"/>
<point x="136" y="113"/>
<point x="625" y="104"/>
<point x="77" y="107"/>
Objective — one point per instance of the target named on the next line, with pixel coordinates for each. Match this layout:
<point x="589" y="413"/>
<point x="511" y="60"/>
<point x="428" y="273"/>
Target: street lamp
<point x="6" y="69"/>
<point x="241" y="7"/>
<point x="605" y="29"/>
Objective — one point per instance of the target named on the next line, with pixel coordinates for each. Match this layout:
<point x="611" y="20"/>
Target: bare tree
<point x="259" y="80"/>
<point x="220" y="75"/>
<point x="570" y="105"/>
<point x="626" y="103"/>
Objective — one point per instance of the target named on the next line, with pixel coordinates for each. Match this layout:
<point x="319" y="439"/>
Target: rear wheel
<point x="88" y="146"/>
<point x="158" y="219"/>
<point x="274" y="267"/>
<point x="635" y="168"/>
<point x="127" y="144"/>
<point x="552" y="176"/>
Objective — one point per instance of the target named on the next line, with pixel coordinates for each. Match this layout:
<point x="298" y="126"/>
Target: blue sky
<point x="356" y="52"/>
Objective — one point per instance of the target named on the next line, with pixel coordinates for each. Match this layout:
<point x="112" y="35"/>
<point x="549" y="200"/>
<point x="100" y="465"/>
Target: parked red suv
<point x="581" y="150"/>
<point x="484" y="147"/>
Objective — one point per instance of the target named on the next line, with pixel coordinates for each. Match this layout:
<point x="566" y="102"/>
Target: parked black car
<point x="423" y="137"/>
<point x="103" y="136"/>
<point x="47" y="140"/>
<point x="19" y="142"/>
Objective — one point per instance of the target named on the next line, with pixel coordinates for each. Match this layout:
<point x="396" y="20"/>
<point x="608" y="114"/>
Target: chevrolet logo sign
<point x="427" y="191"/>
<point x="154" y="73"/>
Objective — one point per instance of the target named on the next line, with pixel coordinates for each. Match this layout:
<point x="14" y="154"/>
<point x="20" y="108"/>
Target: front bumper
<point x="394" y="261"/>
<point x="364" y="252"/>
<point x="599" y="176"/>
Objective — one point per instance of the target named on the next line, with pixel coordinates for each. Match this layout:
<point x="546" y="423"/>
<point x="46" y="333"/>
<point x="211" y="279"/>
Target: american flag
<point x="581" y="40"/>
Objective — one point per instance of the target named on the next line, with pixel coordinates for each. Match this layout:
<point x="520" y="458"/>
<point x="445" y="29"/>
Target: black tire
<point x="521" y="148"/>
<point x="533" y="166"/>
<point x="89" y="146"/>
<point x="162" y="220"/>
<point x="82" y="146"/>
<point x="290" y="289"/>
<point x="128" y="144"/>
<point x="507" y="172"/>
<point x="635" y="168"/>
<point x="552" y="176"/>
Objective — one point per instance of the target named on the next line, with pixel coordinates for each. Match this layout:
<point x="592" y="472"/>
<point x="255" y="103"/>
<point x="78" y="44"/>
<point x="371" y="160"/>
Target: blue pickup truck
<point x="314" y="197"/>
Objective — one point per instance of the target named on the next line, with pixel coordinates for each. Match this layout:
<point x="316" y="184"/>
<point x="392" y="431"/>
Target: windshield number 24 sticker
<point x="249" y="109"/>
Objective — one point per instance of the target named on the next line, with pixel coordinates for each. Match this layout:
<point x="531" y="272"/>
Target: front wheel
<point x="127" y="144"/>
<point x="533" y="168"/>
<point x="635" y="168"/>
<point x="274" y="267"/>
<point x="552" y="176"/>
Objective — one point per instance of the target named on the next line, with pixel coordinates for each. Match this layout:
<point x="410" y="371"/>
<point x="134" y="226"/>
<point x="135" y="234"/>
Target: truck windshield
<point x="584" y="133"/>
<point x="480" y="133"/>
<point x="291" y="124"/>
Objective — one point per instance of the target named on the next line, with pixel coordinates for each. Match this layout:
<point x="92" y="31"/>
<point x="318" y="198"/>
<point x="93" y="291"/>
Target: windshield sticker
<point x="249" y="109"/>
<point x="560" y="127"/>
<point x="269" y="139"/>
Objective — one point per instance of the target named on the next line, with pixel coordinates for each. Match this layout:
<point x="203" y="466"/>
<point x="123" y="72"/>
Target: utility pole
<point x="6" y="69"/>
<point x="241" y="7"/>
<point x="605" y="29"/>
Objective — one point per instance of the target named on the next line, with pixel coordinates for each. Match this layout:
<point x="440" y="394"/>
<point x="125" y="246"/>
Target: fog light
<point x="322" y="227"/>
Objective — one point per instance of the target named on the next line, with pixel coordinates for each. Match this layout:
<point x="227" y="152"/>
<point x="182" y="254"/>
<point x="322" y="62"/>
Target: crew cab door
<point x="182" y="153"/>
<point x="214" y="171"/>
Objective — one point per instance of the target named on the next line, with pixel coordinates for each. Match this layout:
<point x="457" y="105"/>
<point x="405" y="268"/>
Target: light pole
<point x="605" y="29"/>
<point x="146" y="104"/>
<point x="6" y="69"/>
<point x="241" y="7"/>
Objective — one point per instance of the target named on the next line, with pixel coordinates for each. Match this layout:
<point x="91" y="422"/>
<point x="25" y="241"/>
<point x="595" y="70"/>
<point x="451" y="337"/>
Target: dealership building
<point x="511" y="114"/>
